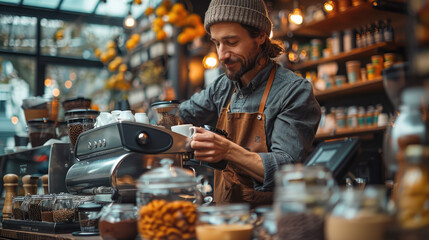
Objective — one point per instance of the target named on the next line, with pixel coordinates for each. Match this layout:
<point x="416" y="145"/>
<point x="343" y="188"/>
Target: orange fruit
<point x="110" y="44"/>
<point x="123" y="67"/>
<point x="158" y="22"/>
<point x="183" y="38"/>
<point x="97" y="52"/>
<point x="135" y="37"/>
<point x="166" y="4"/>
<point x="138" y="2"/>
<point x="130" y="44"/>
<point x="161" y="11"/>
<point x="193" y="20"/>
<point x="172" y="17"/>
<point x="149" y="11"/>
<point x="118" y="59"/>
<point x="104" y="58"/>
<point x="111" y="52"/>
<point x="161" y="35"/>
<point x="113" y="65"/>
<point x="201" y="31"/>
<point x="178" y="7"/>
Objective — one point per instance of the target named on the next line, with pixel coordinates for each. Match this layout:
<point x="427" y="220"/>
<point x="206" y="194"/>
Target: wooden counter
<point x="15" y="234"/>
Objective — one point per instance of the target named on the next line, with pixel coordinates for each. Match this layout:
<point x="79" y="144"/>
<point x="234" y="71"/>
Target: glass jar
<point x="40" y="130"/>
<point x="78" y="125"/>
<point x="34" y="209"/>
<point x="81" y="113"/>
<point x="265" y="225"/>
<point x="76" y="103"/>
<point x="17" y="212"/>
<point x="62" y="130"/>
<point x="118" y="222"/>
<point x="79" y="200"/>
<point x="413" y="193"/>
<point x="171" y="188"/>
<point x="24" y="206"/>
<point x="89" y="216"/>
<point x="359" y="215"/>
<point x="46" y="208"/>
<point x="231" y="221"/>
<point x="301" y="198"/>
<point x="167" y="113"/>
<point x="63" y="208"/>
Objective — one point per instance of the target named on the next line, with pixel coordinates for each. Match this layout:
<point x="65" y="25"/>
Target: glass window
<point x="10" y="1"/>
<point x="86" y="6"/>
<point x="69" y="82"/>
<point x="72" y="39"/>
<point x="113" y="8"/>
<point x="18" y="33"/>
<point x="17" y="81"/>
<point x="42" y="3"/>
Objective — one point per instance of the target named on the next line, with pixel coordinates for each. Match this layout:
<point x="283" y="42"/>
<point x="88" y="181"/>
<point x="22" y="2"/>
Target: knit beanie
<point x="249" y="12"/>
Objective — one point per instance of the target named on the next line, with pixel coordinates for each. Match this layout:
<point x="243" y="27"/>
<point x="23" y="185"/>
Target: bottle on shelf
<point x="292" y="53"/>
<point x="388" y="32"/>
<point x="369" y="34"/>
<point x="358" y="38"/>
<point x="378" y="32"/>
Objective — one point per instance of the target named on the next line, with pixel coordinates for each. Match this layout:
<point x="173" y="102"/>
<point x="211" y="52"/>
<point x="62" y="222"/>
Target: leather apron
<point x="232" y="185"/>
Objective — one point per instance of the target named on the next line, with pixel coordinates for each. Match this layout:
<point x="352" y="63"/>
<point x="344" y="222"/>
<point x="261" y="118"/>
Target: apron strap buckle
<point x="259" y="117"/>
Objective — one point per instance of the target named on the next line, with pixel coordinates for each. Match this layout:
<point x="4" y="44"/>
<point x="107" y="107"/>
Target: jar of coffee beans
<point x="302" y="197"/>
<point x="63" y="208"/>
<point x="118" y="221"/>
<point x="46" y="207"/>
<point x="34" y="209"/>
<point x="40" y="131"/>
<point x="78" y="125"/>
<point x="167" y="113"/>
<point x="17" y="212"/>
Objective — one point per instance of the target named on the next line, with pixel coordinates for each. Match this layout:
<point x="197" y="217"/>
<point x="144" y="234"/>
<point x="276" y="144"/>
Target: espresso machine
<point x="111" y="158"/>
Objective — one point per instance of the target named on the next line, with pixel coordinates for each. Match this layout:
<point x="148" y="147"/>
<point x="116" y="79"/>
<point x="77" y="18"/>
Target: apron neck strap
<point x="266" y="91"/>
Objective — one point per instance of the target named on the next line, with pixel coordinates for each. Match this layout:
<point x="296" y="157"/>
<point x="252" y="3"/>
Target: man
<point x="269" y="113"/>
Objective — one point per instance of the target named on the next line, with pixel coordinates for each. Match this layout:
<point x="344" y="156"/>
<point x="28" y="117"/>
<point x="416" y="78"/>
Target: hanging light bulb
<point x="210" y="60"/>
<point x="329" y="6"/>
<point x="296" y="16"/>
<point x="129" y="21"/>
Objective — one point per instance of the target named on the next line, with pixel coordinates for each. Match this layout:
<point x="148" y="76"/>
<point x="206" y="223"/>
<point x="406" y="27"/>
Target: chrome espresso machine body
<point x="111" y="158"/>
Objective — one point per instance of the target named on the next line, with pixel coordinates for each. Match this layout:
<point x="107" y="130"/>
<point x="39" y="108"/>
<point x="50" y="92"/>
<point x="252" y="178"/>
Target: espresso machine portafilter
<point x="111" y="158"/>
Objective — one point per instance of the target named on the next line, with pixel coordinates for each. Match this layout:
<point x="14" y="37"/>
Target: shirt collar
<point x="261" y="77"/>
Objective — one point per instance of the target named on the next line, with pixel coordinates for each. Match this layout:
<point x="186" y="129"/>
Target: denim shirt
<point x="292" y="114"/>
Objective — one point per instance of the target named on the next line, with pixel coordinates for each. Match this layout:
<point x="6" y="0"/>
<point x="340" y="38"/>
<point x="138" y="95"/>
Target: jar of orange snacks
<point x="167" y="198"/>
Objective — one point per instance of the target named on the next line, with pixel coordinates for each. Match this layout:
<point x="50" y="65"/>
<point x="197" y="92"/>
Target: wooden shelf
<point x="347" y="132"/>
<point x="351" y="18"/>
<point x="350" y="89"/>
<point x="354" y="54"/>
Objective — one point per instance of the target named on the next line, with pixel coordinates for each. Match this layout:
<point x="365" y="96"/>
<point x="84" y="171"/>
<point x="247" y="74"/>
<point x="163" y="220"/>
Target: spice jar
<point x="231" y="221"/>
<point x="89" y="216"/>
<point x="46" y="208"/>
<point x="78" y="125"/>
<point x="301" y="198"/>
<point x="359" y="215"/>
<point x="167" y="113"/>
<point x="24" y="206"/>
<point x="413" y="193"/>
<point x="63" y="208"/>
<point x="118" y="222"/>
<point x="78" y="200"/>
<point x="17" y="212"/>
<point x="168" y="196"/>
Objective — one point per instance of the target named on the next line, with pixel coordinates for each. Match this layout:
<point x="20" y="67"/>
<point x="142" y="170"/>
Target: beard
<point x="247" y="64"/>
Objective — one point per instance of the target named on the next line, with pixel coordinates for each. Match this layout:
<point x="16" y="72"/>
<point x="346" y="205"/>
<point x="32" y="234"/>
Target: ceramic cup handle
<point x="192" y="131"/>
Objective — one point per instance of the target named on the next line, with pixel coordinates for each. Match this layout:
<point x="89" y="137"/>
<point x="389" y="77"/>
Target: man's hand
<point x="209" y="146"/>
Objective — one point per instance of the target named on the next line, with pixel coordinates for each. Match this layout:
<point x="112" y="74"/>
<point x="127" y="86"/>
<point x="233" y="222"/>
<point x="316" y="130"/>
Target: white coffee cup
<point x="141" y="118"/>
<point x="187" y="130"/>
